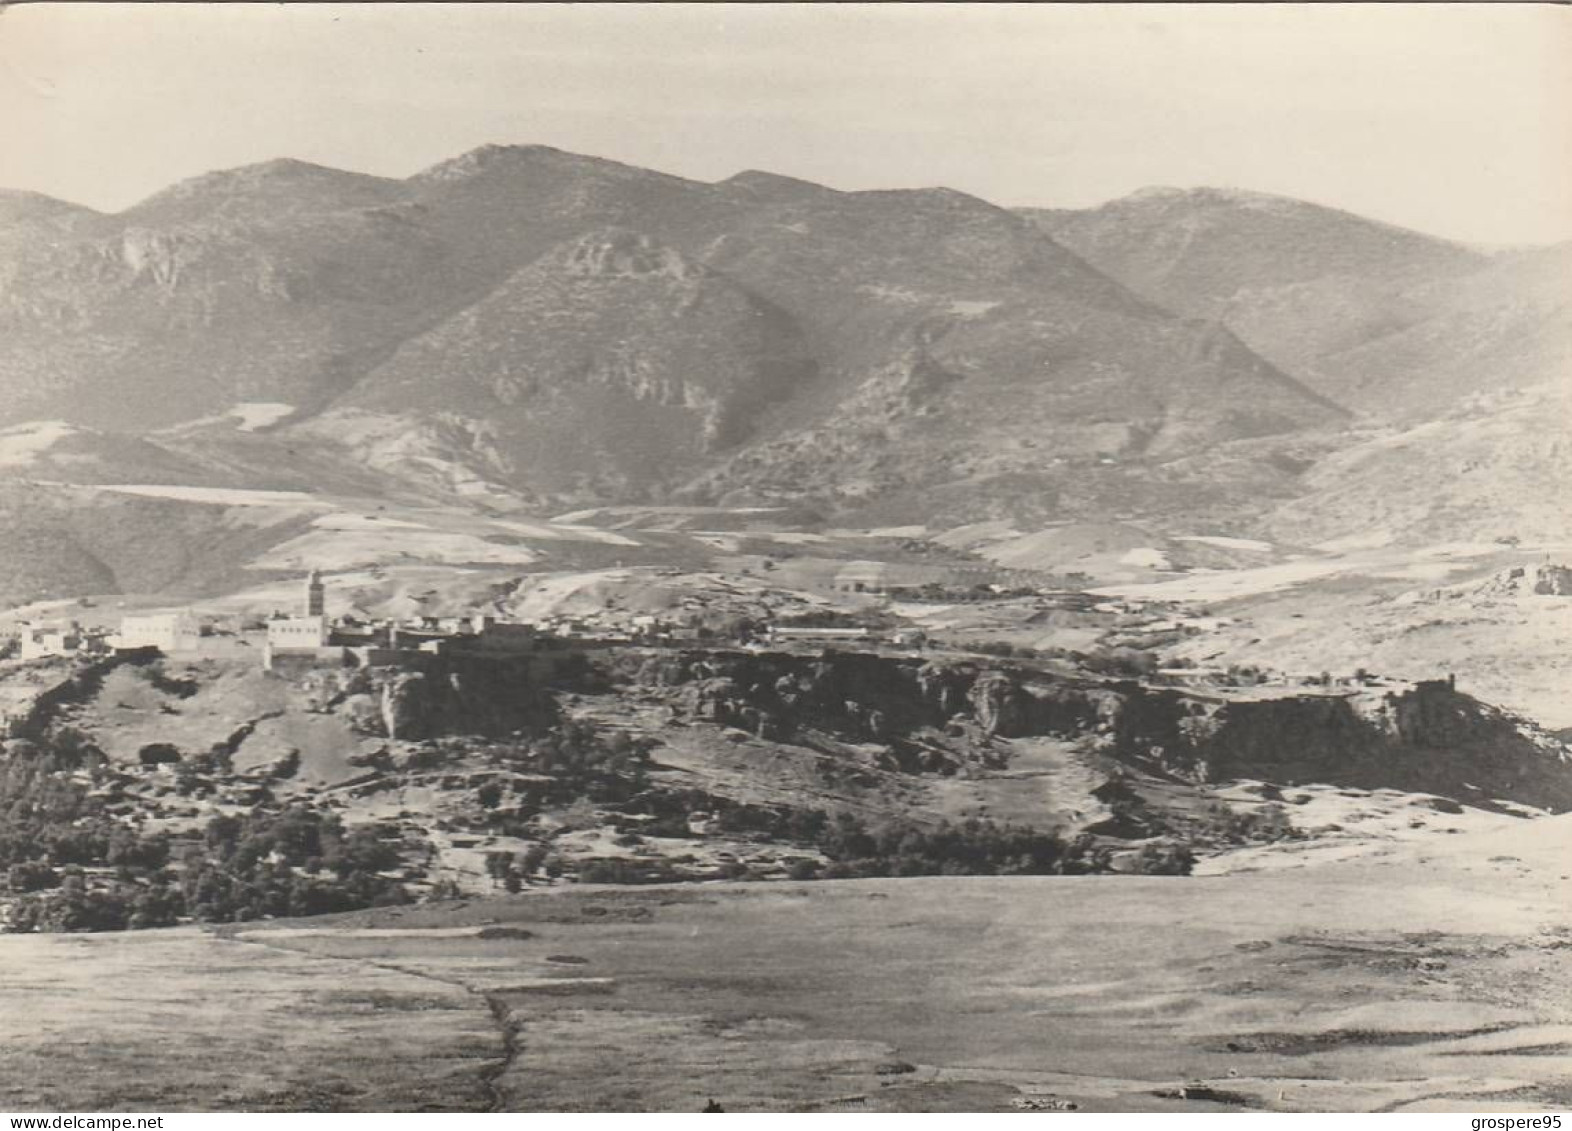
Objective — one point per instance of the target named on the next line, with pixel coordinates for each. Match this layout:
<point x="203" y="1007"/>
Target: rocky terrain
<point x="640" y="764"/>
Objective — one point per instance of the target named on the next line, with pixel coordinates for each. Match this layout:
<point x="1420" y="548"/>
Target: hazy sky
<point x="1456" y="119"/>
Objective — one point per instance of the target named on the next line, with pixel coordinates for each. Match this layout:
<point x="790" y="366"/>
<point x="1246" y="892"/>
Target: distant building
<point x="309" y="634"/>
<point x="168" y="632"/>
<point x="316" y="638"/>
<point x="40" y="642"/>
<point x="862" y="577"/>
<point x="809" y="635"/>
<point x="887" y="577"/>
<point x="294" y="633"/>
<point x="487" y="634"/>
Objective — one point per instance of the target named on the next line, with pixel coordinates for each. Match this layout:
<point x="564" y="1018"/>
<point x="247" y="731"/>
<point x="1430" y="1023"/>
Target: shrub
<point x="804" y="869"/>
<point x="1164" y="860"/>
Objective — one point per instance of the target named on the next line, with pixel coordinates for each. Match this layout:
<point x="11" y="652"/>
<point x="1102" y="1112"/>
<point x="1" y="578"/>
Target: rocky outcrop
<point x="406" y="707"/>
<point x="1545" y="580"/>
<point x="79" y="681"/>
<point x="1553" y="581"/>
<point x="999" y="704"/>
<point x="448" y="695"/>
<point x="1429" y="737"/>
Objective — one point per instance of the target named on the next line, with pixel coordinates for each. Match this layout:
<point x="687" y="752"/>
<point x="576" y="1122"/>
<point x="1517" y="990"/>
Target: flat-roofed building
<point x="168" y="632"/>
<point x="39" y="642"/>
<point x="812" y="635"/>
<point x="290" y="633"/>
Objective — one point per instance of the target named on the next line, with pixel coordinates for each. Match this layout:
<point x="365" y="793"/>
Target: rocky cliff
<point x="1428" y="737"/>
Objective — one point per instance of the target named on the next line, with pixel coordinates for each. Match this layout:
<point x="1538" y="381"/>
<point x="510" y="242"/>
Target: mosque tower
<point x="316" y="595"/>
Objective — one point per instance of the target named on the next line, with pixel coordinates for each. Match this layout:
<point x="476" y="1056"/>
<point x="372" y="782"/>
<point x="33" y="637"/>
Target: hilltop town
<point x="471" y="751"/>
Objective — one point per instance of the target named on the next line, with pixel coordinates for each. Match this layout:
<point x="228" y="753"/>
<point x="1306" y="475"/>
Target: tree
<point x="31" y="875"/>
<point x="499" y="865"/>
<point x="489" y="795"/>
<point x="1164" y="860"/>
<point x="534" y="856"/>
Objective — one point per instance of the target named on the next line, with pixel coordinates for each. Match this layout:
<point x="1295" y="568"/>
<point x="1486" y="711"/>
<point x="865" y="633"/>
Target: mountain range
<point x="528" y="327"/>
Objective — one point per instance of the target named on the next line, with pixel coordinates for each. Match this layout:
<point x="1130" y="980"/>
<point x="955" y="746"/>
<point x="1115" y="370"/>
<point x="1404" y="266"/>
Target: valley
<point x="612" y="641"/>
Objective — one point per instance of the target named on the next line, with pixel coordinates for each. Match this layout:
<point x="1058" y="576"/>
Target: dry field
<point x="1437" y="975"/>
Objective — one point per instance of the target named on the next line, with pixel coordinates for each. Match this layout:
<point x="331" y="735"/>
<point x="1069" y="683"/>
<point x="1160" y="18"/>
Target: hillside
<point x="1489" y="468"/>
<point x="1385" y="320"/>
<point x="606" y="368"/>
<point x="964" y="349"/>
<point x="1506" y="326"/>
<point x="140" y="326"/>
<point x="1196" y="249"/>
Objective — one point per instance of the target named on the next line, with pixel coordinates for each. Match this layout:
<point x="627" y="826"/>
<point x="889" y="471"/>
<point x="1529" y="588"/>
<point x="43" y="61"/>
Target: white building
<point x="294" y="633"/>
<point x="301" y="633"/>
<point x="39" y="642"/>
<point x="168" y="632"/>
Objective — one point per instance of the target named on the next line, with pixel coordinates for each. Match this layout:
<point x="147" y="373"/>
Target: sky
<point x="1454" y="119"/>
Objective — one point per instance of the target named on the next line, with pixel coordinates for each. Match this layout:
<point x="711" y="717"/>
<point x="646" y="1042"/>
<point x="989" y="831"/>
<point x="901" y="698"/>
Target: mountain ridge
<point x="289" y="282"/>
<point x="758" y="339"/>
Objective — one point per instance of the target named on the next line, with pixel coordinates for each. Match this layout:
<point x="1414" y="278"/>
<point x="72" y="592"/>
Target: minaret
<point x="316" y="595"/>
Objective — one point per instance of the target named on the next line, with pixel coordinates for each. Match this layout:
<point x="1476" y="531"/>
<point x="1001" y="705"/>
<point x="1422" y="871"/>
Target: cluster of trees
<point x="624" y="870"/>
<point x="71" y="864"/>
<point x="512" y="870"/>
<point x="77" y="905"/>
<point x="856" y="847"/>
<point x="586" y="758"/>
<point x="980" y="591"/>
<point x="51" y="819"/>
<point x="1219" y="822"/>
<point x="850" y="846"/>
<point x="1246" y="675"/>
<point x="586" y="765"/>
<point x="97" y="839"/>
<point x="299" y="861"/>
<point x="971" y="848"/>
<point x="1124" y="663"/>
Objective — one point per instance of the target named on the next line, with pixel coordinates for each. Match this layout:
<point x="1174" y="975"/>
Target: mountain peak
<point x="771" y="186"/>
<point x="482" y="159"/>
<point x="1213" y="196"/>
<point x="493" y="158"/>
<point x="282" y="183"/>
<point x="283" y="171"/>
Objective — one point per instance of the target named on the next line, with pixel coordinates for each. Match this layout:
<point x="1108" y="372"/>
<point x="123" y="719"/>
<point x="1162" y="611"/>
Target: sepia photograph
<point x="785" y="557"/>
